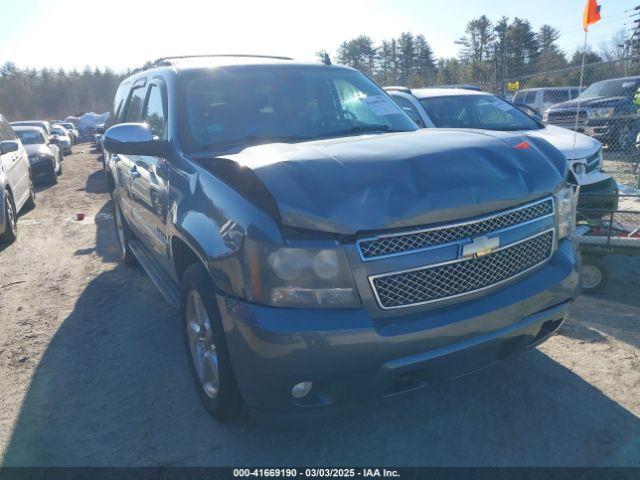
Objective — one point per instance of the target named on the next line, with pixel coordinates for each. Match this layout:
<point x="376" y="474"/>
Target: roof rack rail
<point x="167" y="60"/>
<point x="397" y="88"/>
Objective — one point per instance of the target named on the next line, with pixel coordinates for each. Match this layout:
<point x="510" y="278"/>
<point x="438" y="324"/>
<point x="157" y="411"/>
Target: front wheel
<point x="595" y="275"/>
<point x="205" y="342"/>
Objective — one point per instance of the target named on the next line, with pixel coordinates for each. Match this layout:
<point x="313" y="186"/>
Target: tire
<point x="59" y="172"/>
<point x="124" y="234"/>
<point x="595" y="275"/>
<point x="53" y="175"/>
<point x="31" y="201"/>
<point x="626" y="138"/>
<point x="11" y="221"/>
<point x="206" y="346"/>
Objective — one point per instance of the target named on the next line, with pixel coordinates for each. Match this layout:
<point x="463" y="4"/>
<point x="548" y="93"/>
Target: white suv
<point x="16" y="183"/>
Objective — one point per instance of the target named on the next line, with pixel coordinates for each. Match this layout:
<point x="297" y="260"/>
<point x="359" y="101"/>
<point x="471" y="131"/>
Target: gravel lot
<point x="93" y="372"/>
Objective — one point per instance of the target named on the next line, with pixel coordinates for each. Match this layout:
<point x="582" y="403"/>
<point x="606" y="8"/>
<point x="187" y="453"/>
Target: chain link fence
<point x="607" y="107"/>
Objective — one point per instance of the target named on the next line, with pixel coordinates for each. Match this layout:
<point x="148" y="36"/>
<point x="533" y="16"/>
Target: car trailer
<point x="603" y="231"/>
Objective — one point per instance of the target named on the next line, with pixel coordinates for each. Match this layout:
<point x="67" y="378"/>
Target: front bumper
<point x="602" y="196"/>
<point x="42" y="170"/>
<point x="351" y="356"/>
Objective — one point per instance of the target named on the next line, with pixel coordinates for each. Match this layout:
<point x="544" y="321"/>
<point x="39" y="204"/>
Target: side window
<point x="530" y="98"/>
<point x="408" y="107"/>
<point x="6" y="132"/>
<point x="154" y="111"/>
<point x="134" y="107"/>
<point x="118" y="104"/>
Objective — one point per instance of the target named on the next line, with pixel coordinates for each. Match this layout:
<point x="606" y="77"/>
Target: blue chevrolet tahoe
<point x="321" y="248"/>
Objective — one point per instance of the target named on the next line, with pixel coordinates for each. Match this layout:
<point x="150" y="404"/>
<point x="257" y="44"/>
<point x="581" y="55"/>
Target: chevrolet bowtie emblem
<point x="480" y="247"/>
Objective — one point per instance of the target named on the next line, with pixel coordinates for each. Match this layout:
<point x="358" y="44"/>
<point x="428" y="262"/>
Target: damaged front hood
<point x="377" y="182"/>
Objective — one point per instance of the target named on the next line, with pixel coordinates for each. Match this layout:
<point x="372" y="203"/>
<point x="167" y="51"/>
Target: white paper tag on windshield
<point x="379" y="105"/>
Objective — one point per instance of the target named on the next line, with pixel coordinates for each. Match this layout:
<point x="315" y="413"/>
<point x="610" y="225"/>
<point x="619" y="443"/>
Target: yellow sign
<point x="513" y="86"/>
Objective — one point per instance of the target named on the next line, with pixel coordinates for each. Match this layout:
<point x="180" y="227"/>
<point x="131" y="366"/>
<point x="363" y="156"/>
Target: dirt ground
<point x="93" y="372"/>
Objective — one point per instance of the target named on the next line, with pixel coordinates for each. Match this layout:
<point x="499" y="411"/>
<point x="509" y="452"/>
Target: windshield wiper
<point x="254" y="138"/>
<point x="366" y="128"/>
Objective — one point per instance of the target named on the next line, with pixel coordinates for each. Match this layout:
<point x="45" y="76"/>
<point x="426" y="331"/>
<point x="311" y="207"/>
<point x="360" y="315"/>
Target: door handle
<point x="133" y="171"/>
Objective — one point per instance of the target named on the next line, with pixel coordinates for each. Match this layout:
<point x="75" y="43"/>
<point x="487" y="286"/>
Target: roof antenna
<point x="325" y="59"/>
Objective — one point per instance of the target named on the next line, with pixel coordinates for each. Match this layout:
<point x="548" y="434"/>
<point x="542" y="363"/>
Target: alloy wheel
<point x="201" y="344"/>
<point x="591" y="276"/>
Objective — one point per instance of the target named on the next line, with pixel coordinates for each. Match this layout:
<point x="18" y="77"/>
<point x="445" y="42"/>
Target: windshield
<point x="249" y="105"/>
<point x="30" y="137"/>
<point x="612" y="88"/>
<point x="57" y="131"/>
<point x="476" y="111"/>
<point x="68" y="125"/>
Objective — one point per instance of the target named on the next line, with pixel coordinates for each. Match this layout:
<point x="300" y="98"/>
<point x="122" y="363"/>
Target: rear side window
<point x="555" y="96"/>
<point x="134" y="107"/>
<point x="154" y="112"/>
<point x="519" y="97"/>
<point x="530" y="98"/>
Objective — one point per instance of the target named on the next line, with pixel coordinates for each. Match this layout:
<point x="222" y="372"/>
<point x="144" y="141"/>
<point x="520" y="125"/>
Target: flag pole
<point x="584" y="54"/>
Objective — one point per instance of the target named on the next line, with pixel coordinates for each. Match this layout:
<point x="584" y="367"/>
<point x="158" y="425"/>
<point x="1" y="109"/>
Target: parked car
<point x="45" y="125"/>
<point x="442" y="108"/>
<point x="540" y="99"/>
<point x="319" y="246"/>
<point x="64" y="139"/>
<point x="607" y="112"/>
<point x="72" y="130"/>
<point x="43" y="151"/>
<point x="16" y="182"/>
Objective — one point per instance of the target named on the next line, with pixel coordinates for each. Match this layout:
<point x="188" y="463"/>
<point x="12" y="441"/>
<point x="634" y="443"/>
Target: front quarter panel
<point x="214" y="220"/>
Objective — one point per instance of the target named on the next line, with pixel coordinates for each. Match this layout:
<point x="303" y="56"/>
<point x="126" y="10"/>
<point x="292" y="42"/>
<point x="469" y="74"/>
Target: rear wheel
<point x="595" y="275"/>
<point x="31" y="201"/>
<point x="11" y="221"/>
<point x="124" y="235"/>
<point x="205" y="342"/>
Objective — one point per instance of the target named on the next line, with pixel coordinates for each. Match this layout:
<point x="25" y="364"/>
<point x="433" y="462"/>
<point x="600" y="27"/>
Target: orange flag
<point x="591" y="14"/>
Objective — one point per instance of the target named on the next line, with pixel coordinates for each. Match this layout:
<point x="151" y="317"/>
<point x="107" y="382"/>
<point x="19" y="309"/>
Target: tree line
<point x="55" y="94"/>
<point x="490" y="54"/>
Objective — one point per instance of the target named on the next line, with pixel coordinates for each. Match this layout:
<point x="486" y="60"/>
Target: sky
<point x="123" y="34"/>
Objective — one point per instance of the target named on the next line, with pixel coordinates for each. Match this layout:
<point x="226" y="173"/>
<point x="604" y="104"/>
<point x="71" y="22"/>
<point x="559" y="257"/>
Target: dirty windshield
<point x="248" y="106"/>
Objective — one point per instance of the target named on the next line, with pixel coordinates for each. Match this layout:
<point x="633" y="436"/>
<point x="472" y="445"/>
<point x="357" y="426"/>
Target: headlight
<point x="600" y="160"/>
<point x="601" y="112"/>
<point x="299" y="277"/>
<point x="565" y="200"/>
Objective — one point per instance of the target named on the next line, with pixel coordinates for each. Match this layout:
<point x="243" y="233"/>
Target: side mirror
<point x="8" y="147"/>
<point x="133" y="139"/>
<point x="100" y="130"/>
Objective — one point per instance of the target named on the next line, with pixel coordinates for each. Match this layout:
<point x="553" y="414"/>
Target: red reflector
<point x="522" y="146"/>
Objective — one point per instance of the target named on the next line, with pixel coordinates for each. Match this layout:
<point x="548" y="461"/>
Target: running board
<point x="162" y="281"/>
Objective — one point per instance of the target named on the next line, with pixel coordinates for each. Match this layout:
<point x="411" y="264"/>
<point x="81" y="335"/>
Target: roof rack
<point x="167" y="60"/>
<point x="396" y="88"/>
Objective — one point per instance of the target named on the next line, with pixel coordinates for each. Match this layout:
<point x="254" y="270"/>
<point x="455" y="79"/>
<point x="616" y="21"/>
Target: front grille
<point x="410" y="242"/>
<point x="461" y="277"/>
<point x="563" y="117"/>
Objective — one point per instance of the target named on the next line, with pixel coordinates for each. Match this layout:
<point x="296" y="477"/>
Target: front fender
<point x="213" y="220"/>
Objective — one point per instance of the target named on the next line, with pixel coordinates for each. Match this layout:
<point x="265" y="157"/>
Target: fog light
<point x="301" y="390"/>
